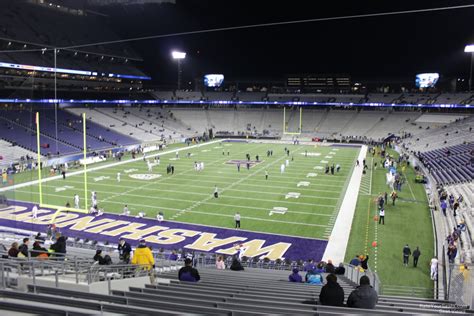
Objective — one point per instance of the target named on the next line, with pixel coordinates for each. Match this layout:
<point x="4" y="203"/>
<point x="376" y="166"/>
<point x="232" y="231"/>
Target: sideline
<point x="339" y="238"/>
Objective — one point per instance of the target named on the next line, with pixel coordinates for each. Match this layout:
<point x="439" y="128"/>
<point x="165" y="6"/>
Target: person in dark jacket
<point x="38" y="250"/>
<point x="416" y="254"/>
<point x="363" y="263"/>
<point x="356" y="261"/>
<point x="103" y="260"/>
<point x="364" y="296"/>
<point x="332" y="293"/>
<point x="236" y="265"/>
<point x="330" y="268"/>
<point x="295" y="276"/>
<point x="340" y="269"/>
<point x="124" y="250"/>
<point x="59" y="247"/>
<point x="188" y="273"/>
<point x="406" y="255"/>
<point x="24" y="247"/>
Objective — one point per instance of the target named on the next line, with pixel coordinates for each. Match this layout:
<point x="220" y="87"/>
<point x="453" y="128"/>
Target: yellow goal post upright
<point x="285" y="123"/>
<point x="60" y="209"/>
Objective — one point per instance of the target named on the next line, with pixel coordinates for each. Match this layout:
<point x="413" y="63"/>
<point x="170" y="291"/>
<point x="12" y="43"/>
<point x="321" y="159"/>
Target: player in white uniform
<point x="34" y="212"/>
<point x="282" y="168"/>
<point x="76" y="200"/>
<point x="150" y="167"/>
<point x="118" y="176"/>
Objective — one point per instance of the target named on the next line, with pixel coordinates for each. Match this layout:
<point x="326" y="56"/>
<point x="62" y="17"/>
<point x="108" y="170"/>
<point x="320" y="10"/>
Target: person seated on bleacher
<point x="59" y="247"/>
<point x="309" y="265"/>
<point x="364" y="296"/>
<point x="103" y="260"/>
<point x="330" y="268"/>
<point x="340" y="269"/>
<point x="356" y="261"/>
<point x="236" y="265"/>
<point x="13" y="251"/>
<point x="295" y="276"/>
<point x="220" y="264"/>
<point x="38" y="251"/>
<point x="173" y="256"/>
<point x="188" y="273"/>
<point x="332" y="293"/>
<point x="124" y="250"/>
<point x="312" y="277"/>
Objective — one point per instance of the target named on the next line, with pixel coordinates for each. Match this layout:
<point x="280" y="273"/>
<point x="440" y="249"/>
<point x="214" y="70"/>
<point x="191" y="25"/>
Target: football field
<point x="301" y="201"/>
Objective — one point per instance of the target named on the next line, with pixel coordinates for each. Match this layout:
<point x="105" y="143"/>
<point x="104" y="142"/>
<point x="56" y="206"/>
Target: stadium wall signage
<point x="167" y="234"/>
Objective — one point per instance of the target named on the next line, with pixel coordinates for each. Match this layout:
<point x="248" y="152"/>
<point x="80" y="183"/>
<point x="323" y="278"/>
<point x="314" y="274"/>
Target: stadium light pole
<point x="470" y="49"/>
<point x="178" y="56"/>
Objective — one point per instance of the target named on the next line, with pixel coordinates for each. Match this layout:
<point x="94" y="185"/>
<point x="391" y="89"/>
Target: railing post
<point x="56" y="278"/>
<point x="3" y="276"/>
<point x="76" y="271"/>
<point x="109" y="285"/>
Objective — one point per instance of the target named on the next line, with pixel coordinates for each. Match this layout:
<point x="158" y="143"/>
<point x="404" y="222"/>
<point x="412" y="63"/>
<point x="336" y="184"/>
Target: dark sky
<point x="375" y="47"/>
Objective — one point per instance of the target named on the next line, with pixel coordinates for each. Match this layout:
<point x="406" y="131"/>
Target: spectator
<point x="309" y="265"/>
<point x="220" y="264"/>
<point x="173" y="256"/>
<point x="330" y="268"/>
<point x="103" y="260"/>
<point x="39" y="251"/>
<point x="416" y="254"/>
<point x="13" y="251"/>
<point x="364" y="262"/>
<point x="406" y="255"/>
<point x="295" y="276"/>
<point x="340" y="270"/>
<point x="59" y="247"/>
<point x="443" y="206"/>
<point x="236" y="265"/>
<point x="38" y="237"/>
<point x="364" y="296"/>
<point x="124" y="250"/>
<point x="314" y="278"/>
<point x="332" y="293"/>
<point x="355" y="262"/>
<point x="188" y="273"/>
<point x="24" y="248"/>
<point x="143" y="256"/>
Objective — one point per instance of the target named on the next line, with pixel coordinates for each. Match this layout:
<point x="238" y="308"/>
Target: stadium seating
<point x="11" y="153"/>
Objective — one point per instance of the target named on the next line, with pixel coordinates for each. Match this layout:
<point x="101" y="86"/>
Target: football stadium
<point x="173" y="157"/>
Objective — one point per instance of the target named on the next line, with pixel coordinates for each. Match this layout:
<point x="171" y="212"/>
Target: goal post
<point x="60" y="209"/>
<point x="285" y="123"/>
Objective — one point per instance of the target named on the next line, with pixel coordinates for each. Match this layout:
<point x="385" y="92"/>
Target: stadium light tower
<point x="470" y="49"/>
<point x="178" y="56"/>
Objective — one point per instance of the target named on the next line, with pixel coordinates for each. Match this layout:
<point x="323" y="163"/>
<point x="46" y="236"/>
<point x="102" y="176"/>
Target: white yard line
<point x="337" y="244"/>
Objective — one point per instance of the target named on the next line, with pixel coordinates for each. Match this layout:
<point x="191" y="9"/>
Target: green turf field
<point x="187" y="196"/>
<point x="408" y="222"/>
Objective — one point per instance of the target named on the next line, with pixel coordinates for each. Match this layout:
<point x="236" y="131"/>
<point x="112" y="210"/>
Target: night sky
<point x="375" y="47"/>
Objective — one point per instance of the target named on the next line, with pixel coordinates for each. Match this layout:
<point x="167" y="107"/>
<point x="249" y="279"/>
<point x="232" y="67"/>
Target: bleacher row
<point x="450" y="165"/>
<point x="220" y="292"/>
<point x="394" y="98"/>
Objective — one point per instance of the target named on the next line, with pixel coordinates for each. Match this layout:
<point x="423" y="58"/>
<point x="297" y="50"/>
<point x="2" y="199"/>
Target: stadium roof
<point x="126" y="2"/>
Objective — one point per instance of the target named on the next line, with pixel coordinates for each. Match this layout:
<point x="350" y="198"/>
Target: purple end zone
<point x="295" y="248"/>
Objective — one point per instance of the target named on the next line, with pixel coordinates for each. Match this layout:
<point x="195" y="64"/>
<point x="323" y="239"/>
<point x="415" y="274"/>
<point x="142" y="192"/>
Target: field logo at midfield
<point x="292" y="195"/>
<point x="311" y="175"/>
<point x="101" y="178"/>
<point x="144" y="176"/>
<point x="278" y="210"/>
<point x="130" y="170"/>
<point x="64" y="188"/>
<point x="303" y="184"/>
<point x="311" y="154"/>
<point x="243" y="163"/>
